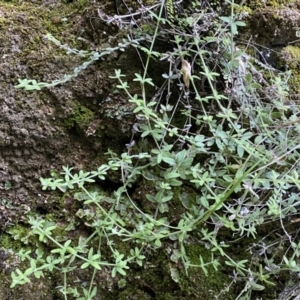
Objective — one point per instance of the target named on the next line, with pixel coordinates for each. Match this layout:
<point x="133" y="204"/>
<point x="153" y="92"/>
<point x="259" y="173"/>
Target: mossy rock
<point x="290" y="57"/>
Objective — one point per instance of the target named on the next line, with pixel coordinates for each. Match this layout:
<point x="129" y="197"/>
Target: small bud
<point x="186" y="70"/>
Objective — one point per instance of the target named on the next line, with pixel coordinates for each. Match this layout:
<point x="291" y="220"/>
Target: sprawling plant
<point x="219" y="139"/>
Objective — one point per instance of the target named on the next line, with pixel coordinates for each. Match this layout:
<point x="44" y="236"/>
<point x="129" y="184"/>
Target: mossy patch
<point x="81" y="117"/>
<point x="290" y="57"/>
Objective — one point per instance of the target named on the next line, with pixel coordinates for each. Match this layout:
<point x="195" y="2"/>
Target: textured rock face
<point x="73" y="124"/>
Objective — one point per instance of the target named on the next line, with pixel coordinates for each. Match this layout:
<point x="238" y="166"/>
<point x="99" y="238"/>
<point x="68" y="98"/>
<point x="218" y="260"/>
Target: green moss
<point x="20" y="233"/>
<point x="294" y="82"/>
<point x="245" y="10"/>
<point x="146" y="29"/>
<point x="81" y="3"/>
<point x="156" y="281"/>
<point x="290" y="56"/>
<point x="8" y="242"/>
<point x="254" y="4"/>
<point x="81" y="117"/>
<point x="196" y="283"/>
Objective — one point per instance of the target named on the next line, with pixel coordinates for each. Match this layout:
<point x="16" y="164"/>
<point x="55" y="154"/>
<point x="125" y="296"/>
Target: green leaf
<point x="157" y="243"/>
<point x="240" y="23"/>
<point x="174" y="273"/>
<point x="171" y="175"/>
<point x="256" y="287"/>
<point x="256" y="86"/>
<point x="169" y="160"/>
<point x="240" y="151"/>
